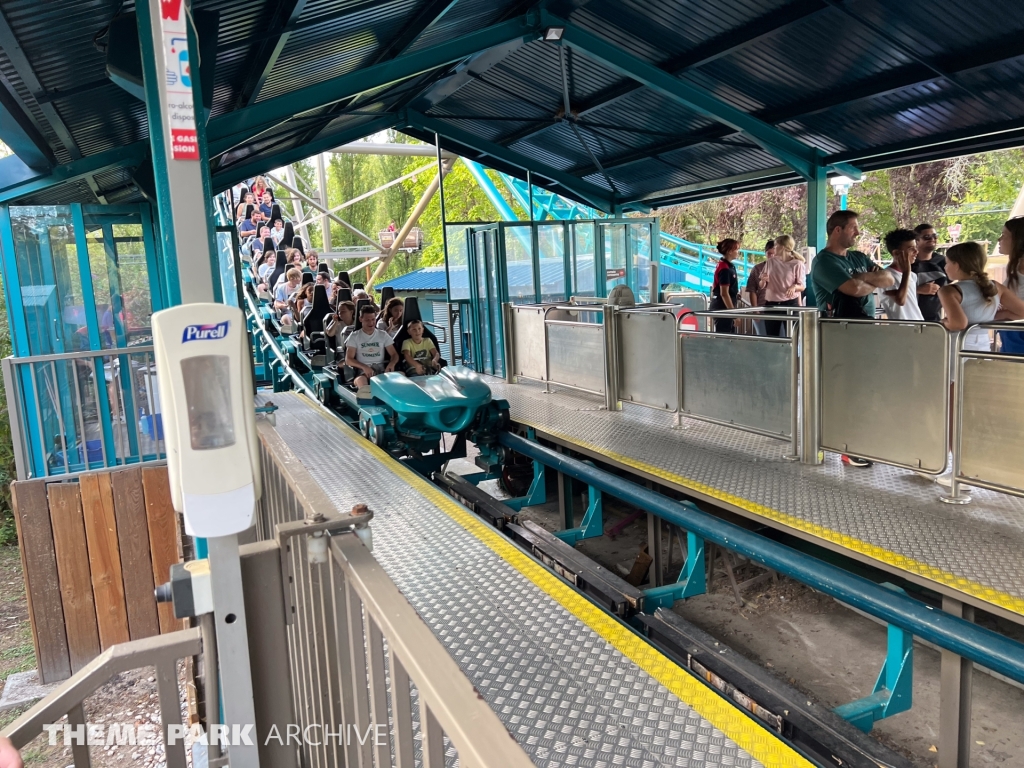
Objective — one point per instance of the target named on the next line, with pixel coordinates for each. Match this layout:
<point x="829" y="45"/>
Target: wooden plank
<point x="164" y="539"/>
<point x="133" y="541"/>
<point x="104" y="558"/>
<point x="69" y="543"/>
<point x="42" y="584"/>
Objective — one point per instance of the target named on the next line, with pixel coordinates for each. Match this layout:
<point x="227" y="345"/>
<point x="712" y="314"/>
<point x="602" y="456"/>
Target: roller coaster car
<point x="408" y="417"/>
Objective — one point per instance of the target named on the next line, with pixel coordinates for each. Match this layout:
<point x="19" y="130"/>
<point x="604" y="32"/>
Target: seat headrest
<point x="314" y="320"/>
<point x="275" y="213"/>
<point x="298" y="245"/>
<point x="386" y="294"/>
<point x="343" y="276"/>
<point x="359" y="287"/>
<point x="308" y="277"/>
<point x="322" y="267"/>
<point x="412" y="311"/>
<point x="343" y="294"/>
<point x="289" y="235"/>
<point x="268" y="245"/>
<point x="248" y="210"/>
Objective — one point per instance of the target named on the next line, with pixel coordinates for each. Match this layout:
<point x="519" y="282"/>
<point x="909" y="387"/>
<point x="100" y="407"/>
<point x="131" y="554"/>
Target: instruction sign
<point x="181" y="118"/>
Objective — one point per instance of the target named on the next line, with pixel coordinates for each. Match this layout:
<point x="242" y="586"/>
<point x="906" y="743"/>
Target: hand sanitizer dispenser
<point x="209" y="416"/>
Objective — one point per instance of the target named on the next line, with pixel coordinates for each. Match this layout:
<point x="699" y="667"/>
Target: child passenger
<point x="419" y="353"/>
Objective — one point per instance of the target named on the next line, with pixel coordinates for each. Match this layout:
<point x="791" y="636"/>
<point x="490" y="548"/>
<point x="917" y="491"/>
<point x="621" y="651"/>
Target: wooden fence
<point x="92" y="550"/>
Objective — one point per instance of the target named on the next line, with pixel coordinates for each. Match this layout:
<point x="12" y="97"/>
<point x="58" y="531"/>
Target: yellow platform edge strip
<point x="741" y="728"/>
<point x="894" y="559"/>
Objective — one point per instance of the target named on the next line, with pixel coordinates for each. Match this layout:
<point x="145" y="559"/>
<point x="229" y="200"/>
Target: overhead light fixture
<point x="554" y="33"/>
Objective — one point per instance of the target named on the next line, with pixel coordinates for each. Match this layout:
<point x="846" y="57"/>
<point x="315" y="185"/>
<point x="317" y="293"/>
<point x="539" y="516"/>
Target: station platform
<point x="572" y="685"/>
<point x="885" y="516"/>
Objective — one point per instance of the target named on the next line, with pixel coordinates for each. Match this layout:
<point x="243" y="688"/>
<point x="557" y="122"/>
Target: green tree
<point x="8" y="472"/>
<point x="992" y="183"/>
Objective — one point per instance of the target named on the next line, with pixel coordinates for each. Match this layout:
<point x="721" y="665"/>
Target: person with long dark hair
<point x="1011" y="245"/>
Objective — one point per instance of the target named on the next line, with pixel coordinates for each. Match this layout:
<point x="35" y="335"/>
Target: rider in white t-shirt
<point x="900" y="302"/>
<point x="366" y="348"/>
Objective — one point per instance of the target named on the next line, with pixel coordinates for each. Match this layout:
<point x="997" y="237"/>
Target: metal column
<point x="321" y="185"/>
<point x="955" y="698"/>
<point x="810" y="386"/>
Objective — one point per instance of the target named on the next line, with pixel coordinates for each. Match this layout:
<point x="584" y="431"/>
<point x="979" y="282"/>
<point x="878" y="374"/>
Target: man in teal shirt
<point x="839" y="270"/>
<point x="840" y="275"/>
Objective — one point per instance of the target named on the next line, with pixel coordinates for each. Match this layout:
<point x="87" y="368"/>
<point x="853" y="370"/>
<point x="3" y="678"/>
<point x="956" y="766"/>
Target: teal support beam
<point x="204" y="169"/>
<point x="817" y="209"/>
<point x="232" y="174"/>
<point x="593" y="519"/>
<point x="801" y="157"/>
<point x="260" y="117"/>
<point x="893" y="691"/>
<point x="573" y="186"/>
<point x="17" y="185"/>
<point x="691" y="581"/>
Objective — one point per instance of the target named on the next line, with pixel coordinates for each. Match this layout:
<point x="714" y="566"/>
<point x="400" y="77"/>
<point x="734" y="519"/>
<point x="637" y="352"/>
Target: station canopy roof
<point x="620" y="104"/>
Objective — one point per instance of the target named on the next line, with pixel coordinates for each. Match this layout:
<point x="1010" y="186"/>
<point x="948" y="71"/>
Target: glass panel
<point x="640" y="260"/>
<point x="51" y="289"/>
<point x="225" y="250"/>
<point x="614" y="255"/>
<point x="551" y="244"/>
<point x="121" y="279"/>
<point x="458" y="262"/>
<point x="519" y="265"/>
<point x="133" y="275"/>
<point x="583" y="283"/>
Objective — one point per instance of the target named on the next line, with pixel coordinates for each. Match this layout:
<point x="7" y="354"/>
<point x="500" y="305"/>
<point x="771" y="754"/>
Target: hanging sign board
<point x="181" y="118"/>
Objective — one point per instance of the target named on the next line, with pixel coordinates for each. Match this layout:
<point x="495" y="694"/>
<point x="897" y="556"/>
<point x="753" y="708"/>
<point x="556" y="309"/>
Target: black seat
<point x="322" y="267"/>
<point x="359" y="287"/>
<point x="342" y="294"/>
<point x="289" y="235"/>
<point x="275" y="214"/>
<point x="412" y="312"/>
<point x="386" y="294"/>
<point x="307" y="277"/>
<point x="343" y="276"/>
<point x="313" y="324"/>
<point x="298" y="245"/>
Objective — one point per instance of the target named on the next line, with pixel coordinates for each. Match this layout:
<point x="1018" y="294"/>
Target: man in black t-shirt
<point x="930" y="271"/>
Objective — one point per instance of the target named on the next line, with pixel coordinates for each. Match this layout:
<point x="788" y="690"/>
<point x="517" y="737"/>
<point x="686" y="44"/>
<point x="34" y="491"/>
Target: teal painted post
<point x="151" y="73"/>
<point x="692" y="580"/>
<point x="817" y="209"/>
<point x="158" y="298"/>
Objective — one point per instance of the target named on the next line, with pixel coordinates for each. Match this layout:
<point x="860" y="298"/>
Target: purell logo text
<point x="205" y="332"/>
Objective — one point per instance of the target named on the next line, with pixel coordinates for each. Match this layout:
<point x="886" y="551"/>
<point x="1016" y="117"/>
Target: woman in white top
<point x="784" y="279"/>
<point x="973" y="297"/>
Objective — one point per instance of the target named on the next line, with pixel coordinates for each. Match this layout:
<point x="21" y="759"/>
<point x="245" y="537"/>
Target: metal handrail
<point x="89" y="353"/>
<point x="161" y="652"/>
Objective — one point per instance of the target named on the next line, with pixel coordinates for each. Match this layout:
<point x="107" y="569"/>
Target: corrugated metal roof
<point x="865" y="80"/>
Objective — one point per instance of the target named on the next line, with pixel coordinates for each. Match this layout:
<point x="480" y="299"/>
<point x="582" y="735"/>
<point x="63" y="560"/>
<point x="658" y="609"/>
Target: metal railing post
<point x="810" y="388"/>
<point x="611" y="360"/>
<point x="795" y="337"/>
<point x="507" y="314"/>
<point x="14" y="417"/>
<point x="956" y="494"/>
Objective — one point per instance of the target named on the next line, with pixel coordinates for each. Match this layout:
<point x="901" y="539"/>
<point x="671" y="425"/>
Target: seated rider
<point x="341" y="324"/>
<point x="366" y="348"/>
<point x="420" y="355"/>
<point x="286" y="288"/>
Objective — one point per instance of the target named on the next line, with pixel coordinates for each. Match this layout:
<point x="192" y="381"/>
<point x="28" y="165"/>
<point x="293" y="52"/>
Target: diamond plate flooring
<point x="885" y="513"/>
<point x="566" y="695"/>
